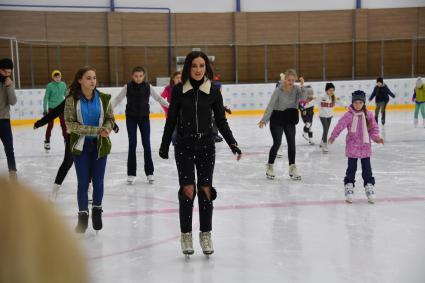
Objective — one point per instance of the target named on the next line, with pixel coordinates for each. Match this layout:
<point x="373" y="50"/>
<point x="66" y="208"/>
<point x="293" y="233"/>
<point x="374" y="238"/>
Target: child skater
<point x="138" y="91"/>
<point x="326" y="111"/>
<point x="362" y="127"/>
<point x="307" y="113"/>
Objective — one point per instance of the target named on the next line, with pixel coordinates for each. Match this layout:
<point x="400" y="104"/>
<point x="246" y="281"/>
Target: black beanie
<point x="328" y="86"/>
<point x="380" y="80"/>
<point x="6" y="63"/>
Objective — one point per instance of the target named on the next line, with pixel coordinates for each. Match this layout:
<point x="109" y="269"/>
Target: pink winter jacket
<point x="355" y="146"/>
<point x="166" y="94"/>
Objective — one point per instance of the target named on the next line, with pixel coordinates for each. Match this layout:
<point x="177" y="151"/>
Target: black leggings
<point x="66" y="163"/>
<point x="326" y="123"/>
<point x="199" y="154"/>
<point x="277" y="132"/>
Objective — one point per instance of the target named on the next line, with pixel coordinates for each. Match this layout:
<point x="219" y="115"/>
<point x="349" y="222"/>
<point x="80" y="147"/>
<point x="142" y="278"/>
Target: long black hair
<point x="188" y="65"/>
<point x="75" y="86"/>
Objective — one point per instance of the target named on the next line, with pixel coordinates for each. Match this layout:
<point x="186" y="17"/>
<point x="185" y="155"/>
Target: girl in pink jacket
<point x="362" y="128"/>
<point x="166" y="93"/>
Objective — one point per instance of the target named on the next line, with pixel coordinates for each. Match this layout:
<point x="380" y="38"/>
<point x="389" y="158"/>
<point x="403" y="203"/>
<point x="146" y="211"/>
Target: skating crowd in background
<point x="195" y="114"/>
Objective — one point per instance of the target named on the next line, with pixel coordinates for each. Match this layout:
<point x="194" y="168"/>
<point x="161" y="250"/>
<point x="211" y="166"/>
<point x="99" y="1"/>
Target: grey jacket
<point x="7" y="98"/>
<point x="282" y="100"/>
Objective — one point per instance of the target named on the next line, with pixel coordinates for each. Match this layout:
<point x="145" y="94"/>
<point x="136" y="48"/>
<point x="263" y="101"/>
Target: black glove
<point x="235" y="149"/>
<point x="228" y="111"/>
<point x="163" y="152"/>
<point x="115" y="128"/>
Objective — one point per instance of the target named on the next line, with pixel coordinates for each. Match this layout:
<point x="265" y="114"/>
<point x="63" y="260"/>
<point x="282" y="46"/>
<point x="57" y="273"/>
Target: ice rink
<point x="263" y="230"/>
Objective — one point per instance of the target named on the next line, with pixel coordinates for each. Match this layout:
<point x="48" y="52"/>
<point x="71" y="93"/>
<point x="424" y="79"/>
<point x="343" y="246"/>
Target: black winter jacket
<point x="382" y="94"/>
<point x="191" y="110"/>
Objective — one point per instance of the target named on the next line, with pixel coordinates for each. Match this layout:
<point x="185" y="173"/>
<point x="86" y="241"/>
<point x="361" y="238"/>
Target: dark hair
<point x="175" y="74"/>
<point x="138" y="69"/>
<point x="188" y="65"/>
<point x="75" y="86"/>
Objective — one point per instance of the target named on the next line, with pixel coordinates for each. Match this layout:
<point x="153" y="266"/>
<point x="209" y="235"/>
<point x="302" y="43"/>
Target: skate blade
<point x="188" y="253"/>
<point x="349" y="201"/>
<point x="208" y="253"/>
<point x="270" y="177"/>
<point x="371" y="201"/>
<point x="295" y="178"/>
<point x="150" y="182"/>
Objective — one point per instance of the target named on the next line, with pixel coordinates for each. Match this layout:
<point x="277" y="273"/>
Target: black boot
<point x="96" y="217"/>
<point x="185" y="211"/>
<point x="206" y="209"/>
<point x="83" y="222"/>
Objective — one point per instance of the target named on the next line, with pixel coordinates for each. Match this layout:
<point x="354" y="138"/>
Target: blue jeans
<point x="350" y="175"/>
<point x="88" y="166"/>
<point x="7" y="140"/>
<point x="145" y="131"/>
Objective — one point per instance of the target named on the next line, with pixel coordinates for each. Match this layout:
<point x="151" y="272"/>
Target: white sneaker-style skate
<point x="150" y="179"/>
<point x="186" y="243"/>
<point x="206" y="242"/>
<point x="270" y="172"/>
<point x="349" y="192"/>
<point x="325" y="148"/>
<point x="131" y="179"/>
<point x="310" y="141"/>
<point x="370" y="193"/>
<point x="293" y="172"/>
<point x="53" y="195"/>
<point x="90" y="192"/>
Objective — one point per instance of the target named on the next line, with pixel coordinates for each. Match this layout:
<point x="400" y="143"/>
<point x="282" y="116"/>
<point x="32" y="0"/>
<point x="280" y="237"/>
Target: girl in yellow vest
<point x="419" y="99"/>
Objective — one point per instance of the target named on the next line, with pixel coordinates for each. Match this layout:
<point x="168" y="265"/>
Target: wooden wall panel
<point x="144" y="29"/>
<point x="272" y="28"/>
<point x="420" y="58"/>
<point x="23" y="25"/>
<point x="374" y="59"/>
<point x="280" y="58"/>
<point x="421" y="22"/>
<point x="398" y="58"/>
<point x="326" y="26"/>
<point x="339" y="61"/>
<point x="311" y="61"/>
<point x="392" y="23"/>
<point x="76" y="27"/>
<point x="208" y="28"/>
<point x="361" y="55"/>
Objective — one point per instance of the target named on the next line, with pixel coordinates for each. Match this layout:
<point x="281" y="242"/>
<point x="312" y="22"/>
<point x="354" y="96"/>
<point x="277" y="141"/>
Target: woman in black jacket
<point x="192" y="103"/>
<point x="67" y="158"/>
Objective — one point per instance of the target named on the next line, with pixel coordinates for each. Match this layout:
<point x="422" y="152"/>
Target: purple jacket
<point x="355" y="147"/>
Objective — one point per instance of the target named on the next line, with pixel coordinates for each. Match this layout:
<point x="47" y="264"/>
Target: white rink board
<point x="238" y="96"/>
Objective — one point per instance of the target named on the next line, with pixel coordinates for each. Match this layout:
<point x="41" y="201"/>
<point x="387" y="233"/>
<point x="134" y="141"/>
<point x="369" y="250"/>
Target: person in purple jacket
<point x="362" y="128"/>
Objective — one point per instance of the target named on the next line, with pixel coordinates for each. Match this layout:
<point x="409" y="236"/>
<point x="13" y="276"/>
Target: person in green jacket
<point x="55" y="94"/>
<point x="89" y="118"/>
